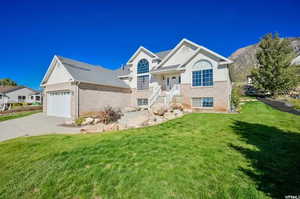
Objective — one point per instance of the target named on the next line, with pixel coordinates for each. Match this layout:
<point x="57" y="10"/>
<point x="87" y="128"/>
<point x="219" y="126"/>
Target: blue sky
<point x="107" y="33"/>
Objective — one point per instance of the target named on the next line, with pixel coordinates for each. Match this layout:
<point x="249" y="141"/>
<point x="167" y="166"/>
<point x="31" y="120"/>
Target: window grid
<point x="142" y="102"/>
<point x="143" y="66"/>
<point x="207" y="102"/>
<point x="200" y="102"/>
<point x="202" y="78"/>
<point x="197" y="78"/>
<point x="207" y="77"/>
<point x="143" y="82"/>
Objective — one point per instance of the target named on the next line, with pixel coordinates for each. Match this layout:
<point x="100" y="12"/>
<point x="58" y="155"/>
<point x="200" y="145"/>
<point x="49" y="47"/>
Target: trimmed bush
<point x="235" y="97"/>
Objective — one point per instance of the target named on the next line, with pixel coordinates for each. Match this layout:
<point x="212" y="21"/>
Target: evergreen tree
<point x="274" y="73"/>
<point x="7" y="82"/>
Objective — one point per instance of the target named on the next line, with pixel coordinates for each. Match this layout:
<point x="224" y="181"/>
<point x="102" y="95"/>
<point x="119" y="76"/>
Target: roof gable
<point x="198" y="48"/>
<point x="55" y="63"/>
<point x="142" y="49"/>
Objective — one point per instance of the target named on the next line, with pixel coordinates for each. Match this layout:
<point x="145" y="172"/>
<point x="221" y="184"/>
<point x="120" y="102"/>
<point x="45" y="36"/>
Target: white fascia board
<point x="50" y="69"/>
<point x="173" y="51"/>
<point x="141" y="48"/>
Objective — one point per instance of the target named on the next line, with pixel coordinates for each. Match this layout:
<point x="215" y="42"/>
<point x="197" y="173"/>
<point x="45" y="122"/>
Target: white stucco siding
<point x="220" y="73"/>
<point x="59" y="75"/>
<point x="182" y="54"/>
<point x="13" y="96"/>
<point x="141" y="55"/>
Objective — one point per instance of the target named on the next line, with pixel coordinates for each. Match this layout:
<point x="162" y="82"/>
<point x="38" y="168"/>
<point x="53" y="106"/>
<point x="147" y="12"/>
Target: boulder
<point x="169" y="115"/>
<point x="88" y="121"/>
<point x="178" y="113"/>
<point x="159" y="119"/>
<point x="159" y="110"/>
<point x="98" y="128"/>
<point x="177" y="106"/>
<point x="96" y="121"/>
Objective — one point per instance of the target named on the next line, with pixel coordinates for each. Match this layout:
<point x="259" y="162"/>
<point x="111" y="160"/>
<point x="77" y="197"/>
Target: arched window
<point x="202" y="73"/>
<point x="143" y="74"/>
<point x="143" y="66"/>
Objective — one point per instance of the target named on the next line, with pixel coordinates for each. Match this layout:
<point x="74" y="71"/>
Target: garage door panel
<point x="59" y="104"/>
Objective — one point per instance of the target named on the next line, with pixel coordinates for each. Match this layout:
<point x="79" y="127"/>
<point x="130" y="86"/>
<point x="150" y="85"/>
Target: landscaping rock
<point x="169" y="115"/>
<point x="177" y="106"/>
<point x="88" y="121"/>
<point x="98" y="128"/>
<point x="96" y="121"/>
<point x="178" y="113"/>
<point x="159" y="110"/>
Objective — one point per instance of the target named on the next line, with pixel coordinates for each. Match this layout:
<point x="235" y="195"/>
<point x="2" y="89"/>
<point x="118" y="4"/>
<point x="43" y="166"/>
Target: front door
<point x="173" y="81"/>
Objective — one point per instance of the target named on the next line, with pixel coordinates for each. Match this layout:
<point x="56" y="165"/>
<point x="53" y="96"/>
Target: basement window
<point x="142" y="102"/>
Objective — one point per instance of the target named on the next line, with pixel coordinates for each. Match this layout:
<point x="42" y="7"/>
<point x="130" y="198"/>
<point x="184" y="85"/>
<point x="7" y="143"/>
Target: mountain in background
<point x="245" y="60"/>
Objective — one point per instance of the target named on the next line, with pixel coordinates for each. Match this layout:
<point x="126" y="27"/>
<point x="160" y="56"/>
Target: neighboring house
<point x="19" y="94"/>
<point x="3" y="98"/>
<point x="189" y="73"/>
<point x="296" y="61"/>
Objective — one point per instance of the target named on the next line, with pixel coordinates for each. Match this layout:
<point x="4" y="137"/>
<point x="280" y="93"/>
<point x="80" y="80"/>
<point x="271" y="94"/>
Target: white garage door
<point x="59" y="104"/>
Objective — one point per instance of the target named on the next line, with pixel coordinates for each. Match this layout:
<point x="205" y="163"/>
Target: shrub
<point x="235" y="97"/>
<point x="109" y="115"/>
<point x="79" y="121"/>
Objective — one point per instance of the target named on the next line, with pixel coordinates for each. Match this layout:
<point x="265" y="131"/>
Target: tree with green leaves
<point x="275" y="74"/>
<point x="7" y="82"/>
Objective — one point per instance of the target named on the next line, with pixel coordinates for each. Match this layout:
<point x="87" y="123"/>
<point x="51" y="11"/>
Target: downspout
<point x="77" y="87"/>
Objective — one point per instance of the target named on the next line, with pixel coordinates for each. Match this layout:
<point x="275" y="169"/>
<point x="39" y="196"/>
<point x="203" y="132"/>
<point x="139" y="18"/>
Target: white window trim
<point x="193" y="70"/>
<point x="137" y="99"/>
<point x="142" y="74"/>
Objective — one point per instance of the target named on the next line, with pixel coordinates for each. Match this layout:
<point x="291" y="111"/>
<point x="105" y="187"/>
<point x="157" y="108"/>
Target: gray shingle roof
<point x="7" y="89"/>
<point x="163" y="54"/>
<point x="124" y="70"/>
<point x="88" y="73"/>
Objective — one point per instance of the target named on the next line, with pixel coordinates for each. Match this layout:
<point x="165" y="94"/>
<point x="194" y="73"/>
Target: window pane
<point x="207" y="77"/>
<point x="143" y="66"/>
<point x="143" y="82"/>
<point x="208" y="102"/>
<point x="142" y="102"/>
<point x="196" y="102"/>
<point x="196" y="76"/>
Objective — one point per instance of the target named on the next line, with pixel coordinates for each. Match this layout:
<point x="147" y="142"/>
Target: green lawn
<point x="17" y="115"/>
<point x="254" y="154"/>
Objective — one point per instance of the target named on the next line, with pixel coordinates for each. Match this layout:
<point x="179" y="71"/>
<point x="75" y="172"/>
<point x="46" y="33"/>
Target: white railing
<point x="155" y="94"/>
<point x="175" y="90"/>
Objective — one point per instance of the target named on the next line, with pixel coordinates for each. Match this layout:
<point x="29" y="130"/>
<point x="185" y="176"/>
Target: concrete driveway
<point x="36" y="124"/>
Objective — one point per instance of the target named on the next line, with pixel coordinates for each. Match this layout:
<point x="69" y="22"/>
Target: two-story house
<point x="189" y="73"/>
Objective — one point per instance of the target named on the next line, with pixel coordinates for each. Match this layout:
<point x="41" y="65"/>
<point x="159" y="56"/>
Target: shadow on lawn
<point x="276" y="159"/>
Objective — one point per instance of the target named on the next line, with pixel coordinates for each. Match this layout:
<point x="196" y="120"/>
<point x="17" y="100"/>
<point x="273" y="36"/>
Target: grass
<point x="17" y="115"/>
<point x="254" y="154"/>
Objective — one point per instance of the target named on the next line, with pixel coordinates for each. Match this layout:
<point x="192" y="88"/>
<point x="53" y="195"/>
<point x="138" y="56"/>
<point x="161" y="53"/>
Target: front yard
<point x="254" y="154"/>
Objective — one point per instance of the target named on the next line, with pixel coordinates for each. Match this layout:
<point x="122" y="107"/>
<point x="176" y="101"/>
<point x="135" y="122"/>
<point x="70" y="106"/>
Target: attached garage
<point x="72" y="88"/>
<point x="59" y="104"/>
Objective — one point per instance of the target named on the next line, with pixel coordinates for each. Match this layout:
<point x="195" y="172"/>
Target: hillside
<point x="245" y="60"/>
